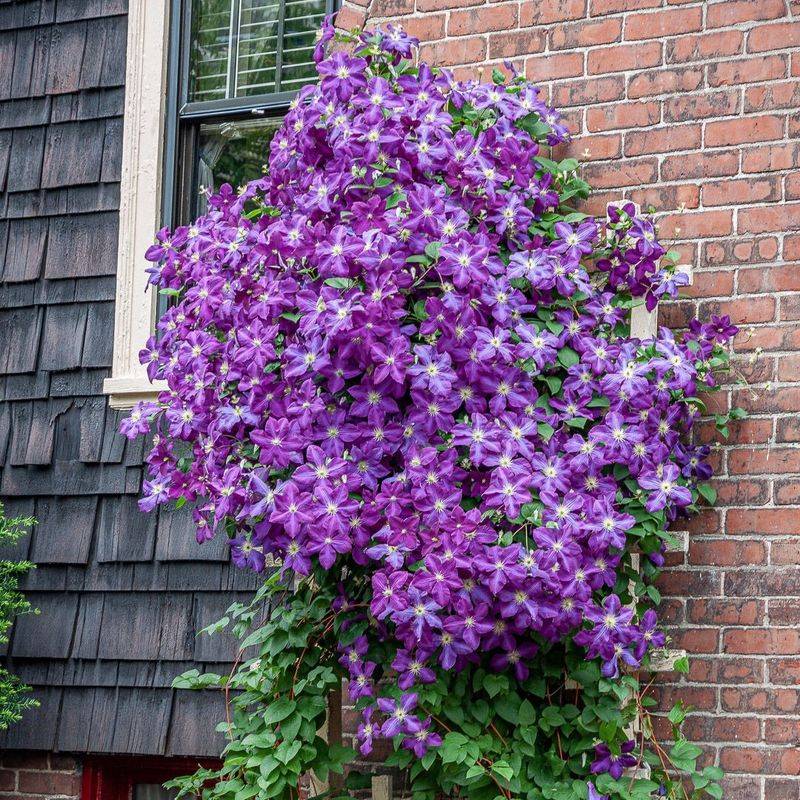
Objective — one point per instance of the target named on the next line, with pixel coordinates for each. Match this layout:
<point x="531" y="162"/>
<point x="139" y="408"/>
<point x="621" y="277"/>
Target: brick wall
<point x="36" y="776"/>
<point x="694" y="105"/>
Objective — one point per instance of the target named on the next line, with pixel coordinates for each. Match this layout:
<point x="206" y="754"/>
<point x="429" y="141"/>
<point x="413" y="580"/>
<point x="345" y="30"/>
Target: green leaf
<point x="708" y="492"/>
<point x="279" y="710"/>
<point x="503" y="769"/>
<point x="494" y="684"/>
<point x="568" y="357"/>
<point x="432" y="250"/>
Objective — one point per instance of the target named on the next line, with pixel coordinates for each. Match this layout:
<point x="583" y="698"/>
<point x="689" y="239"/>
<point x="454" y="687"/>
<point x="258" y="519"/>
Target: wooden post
<point x="382" y="787"/>
<point x="334" y="726"/>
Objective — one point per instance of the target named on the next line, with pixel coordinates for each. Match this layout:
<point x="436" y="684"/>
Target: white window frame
<point x="140" y="197"/>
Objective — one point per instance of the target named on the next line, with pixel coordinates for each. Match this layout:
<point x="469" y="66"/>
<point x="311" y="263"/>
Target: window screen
<point x="243" y="48"/>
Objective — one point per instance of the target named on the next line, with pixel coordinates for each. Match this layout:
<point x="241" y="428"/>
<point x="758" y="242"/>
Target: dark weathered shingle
<point x="30" y="62"/>
<point x="68" y="44"/>
<point x="25" y="249"/>
<point x="33" y="431"/>
<point x="146" y="714"/>
<point x="82" y="246"/>
<point x="211" y="607"/>
<point x="186" y="737"/>
<point x="47" y="634"/>
<point x="98" y="343"/>
<point x="104" y="57"/>
<point x="21" y="331"/>
<point x="62" y="338"/>
<point x="8" y="40"/>
<point x="25" y="387"/>
<point x="24" y="112"/>
<point x="73" y="153"/>
<point x="63" y="534"/>
<point x="87" y="626"/>
<point x="157" y="627"/>
<point x="25" y="162"/>
<point x="112" y="151"/>
<point x="122" y="593"/>
<point x="69" y="10"/>
<point x="37" y="731"/>
<point x="88" y="104"/>
<point x="25" y="13"/>
<point x="176" y="539"/>
<point x="124" y="532"/>
<point x="5" y="154"/>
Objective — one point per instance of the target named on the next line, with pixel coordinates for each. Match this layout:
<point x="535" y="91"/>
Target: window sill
<point x="124" y="392"/>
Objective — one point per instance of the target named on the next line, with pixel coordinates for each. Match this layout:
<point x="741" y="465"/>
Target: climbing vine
<point x="400" y="367"/>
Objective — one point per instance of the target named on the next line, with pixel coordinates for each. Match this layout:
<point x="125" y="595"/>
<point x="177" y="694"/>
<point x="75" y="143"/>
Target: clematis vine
<point x="400" y="365"/>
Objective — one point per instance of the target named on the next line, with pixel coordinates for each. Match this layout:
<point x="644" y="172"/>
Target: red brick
<point x="586" y="34"/>
<point x="664" y="197"/>
<point x="722" y="729"/>
<point x="427" y="27"/>
<point x="743" y="493"/>
<point x="782" y="731"/>
<point x="760" y="761"/>
<point x="771" y="460"/>
<point x="785" y="551"/>
<point x="8" y="780"/>
<point x="439" y="5"/>
<point x="534" y="12"/>
<point x="744" y="129"/>
<point x="664" y="82"/>
<point x="762" y="641"/>
<point x="583" y="92"/>
<point x="663" y="23"/>
<point x="771" y="400"/>
<point x="789" y="368"/>
<point x="621" y="57"/>
<point x="761" y="220"/>
<point x="700" y="165"/>
<point x="705" y="46"/>
<point x="779" y="36"/>
<point x="516" y="43"/>
<point x="682" y="108"/>
<point x="388" y="8"/>
<point x="792" y="186"/>
<point x="762" y="521"/>
<point x="497" y="17"/>
<point x="600" y="7"/>
<point x="747" y="70"/>
<point x="725" y="612"/>
<point x="771" y="157"/>
<point x="622" y="115"/>
<point x="455" y="51"/>
<point x="769" y="279"/>
<point x="662" y="140"/>
<point x="553" y="66"/>
<point x="348" y="18"/>
<point x="698" y="224"/>
<point x="627" y="172"/>
<point x="786" y="612"/>
<point x="49" y="783"/>
<point x="593" y="148"/>
<point x="726" y="553"/>
<point x="730" y="12"/>
<point x="744" y="190"/>
<point x="695" y="583"/>
<point x="772" y="95"/>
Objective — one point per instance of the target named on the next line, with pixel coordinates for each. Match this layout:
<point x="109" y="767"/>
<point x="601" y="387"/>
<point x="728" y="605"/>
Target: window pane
<point x="243" y="48"/>
<point x="152" y="791"/>
<point x="233" y="152"/>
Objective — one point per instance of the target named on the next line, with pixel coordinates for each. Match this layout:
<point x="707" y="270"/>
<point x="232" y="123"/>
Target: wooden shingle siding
<point x="122" y="594"/>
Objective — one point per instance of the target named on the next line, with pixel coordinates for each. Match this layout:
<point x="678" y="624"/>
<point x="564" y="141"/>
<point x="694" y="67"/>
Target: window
<point x="207" y="84"/>
<point x="134" y="778"/>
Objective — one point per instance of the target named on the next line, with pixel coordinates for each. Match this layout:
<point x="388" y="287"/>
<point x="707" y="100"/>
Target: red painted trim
<point x="113" y="777"/>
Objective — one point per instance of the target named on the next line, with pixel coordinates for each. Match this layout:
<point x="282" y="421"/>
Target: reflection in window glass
<point x="153" y="791"/>
<point x="232" y="152"/>
<point x="243" y="48"/>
